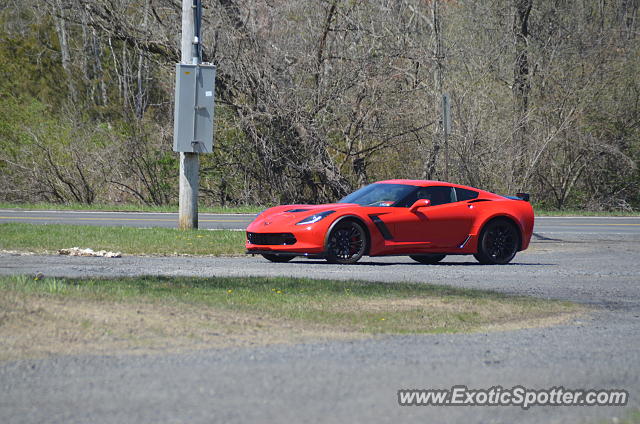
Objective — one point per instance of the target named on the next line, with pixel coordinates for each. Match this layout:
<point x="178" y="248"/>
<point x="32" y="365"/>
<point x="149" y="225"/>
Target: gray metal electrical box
<point x="193" y="115"/>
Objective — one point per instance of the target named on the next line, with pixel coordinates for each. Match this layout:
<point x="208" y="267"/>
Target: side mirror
<point x="420" y="203"/>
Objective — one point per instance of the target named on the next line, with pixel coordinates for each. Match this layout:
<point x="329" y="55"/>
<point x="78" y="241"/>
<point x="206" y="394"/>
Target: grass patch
<point x="629" y="416"/>
<point x="125" y="207"/>
<point x="151" y="241"/>
<point x="161" y="312"/>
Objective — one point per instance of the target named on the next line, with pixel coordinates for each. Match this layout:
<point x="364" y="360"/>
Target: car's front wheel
<point x="428" y="259"/>
<point x="498" y="243"/>
<point x="347" y="243"/>
<point x="277" y="258"/>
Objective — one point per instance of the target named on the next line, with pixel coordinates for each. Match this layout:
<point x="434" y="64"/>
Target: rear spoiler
<point x="519" y="196"/>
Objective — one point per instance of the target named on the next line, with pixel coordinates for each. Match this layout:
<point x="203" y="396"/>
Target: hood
<point x="295" y="213"/>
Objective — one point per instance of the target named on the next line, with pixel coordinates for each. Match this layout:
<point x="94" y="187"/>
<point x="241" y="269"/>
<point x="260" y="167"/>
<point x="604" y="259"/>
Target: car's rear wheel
<point x="347" y="243"/>
<point x="277" y="258"/>
<point x="428" y="259"/>
<point x="499" y="242"/>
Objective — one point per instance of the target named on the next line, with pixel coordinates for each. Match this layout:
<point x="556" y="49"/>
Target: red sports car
<point x="425" y="220"/>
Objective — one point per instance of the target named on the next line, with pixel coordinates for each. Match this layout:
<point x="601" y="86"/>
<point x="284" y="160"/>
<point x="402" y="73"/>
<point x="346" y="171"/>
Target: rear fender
<point x="477" y="229"/>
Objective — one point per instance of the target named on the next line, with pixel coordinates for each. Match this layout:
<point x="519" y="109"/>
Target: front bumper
<point x="308" y="241"/>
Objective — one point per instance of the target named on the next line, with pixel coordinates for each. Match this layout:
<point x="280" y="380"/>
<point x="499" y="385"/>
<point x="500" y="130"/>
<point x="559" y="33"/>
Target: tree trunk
<point x="430" y="164"/>
<point x="521" y="83"/>
<point x="65" y="56"/>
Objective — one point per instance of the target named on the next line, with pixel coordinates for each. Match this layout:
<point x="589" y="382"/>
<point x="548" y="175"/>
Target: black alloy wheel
<point x="499" y="242"/>
<point x="347" y="243"/>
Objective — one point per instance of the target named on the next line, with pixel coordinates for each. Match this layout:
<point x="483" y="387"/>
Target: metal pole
<point x="189" y="162"/>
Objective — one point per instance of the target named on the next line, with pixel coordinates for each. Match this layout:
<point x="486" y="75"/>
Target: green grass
<point x="151" y="241"/>
<point x="126" y="207"/>
<point x="341" y="305"/>
<point x="629" y="416"/>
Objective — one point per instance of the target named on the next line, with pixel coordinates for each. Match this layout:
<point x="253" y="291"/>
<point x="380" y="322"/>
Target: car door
<point x="446" y="223"/>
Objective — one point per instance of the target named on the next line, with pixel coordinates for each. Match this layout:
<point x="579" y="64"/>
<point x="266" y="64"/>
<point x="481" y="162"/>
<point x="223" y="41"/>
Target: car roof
<point x="419" y="183"/>
<point x="427" y="183"/>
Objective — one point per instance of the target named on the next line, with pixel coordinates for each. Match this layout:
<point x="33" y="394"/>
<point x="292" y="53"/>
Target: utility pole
<point x="189" y="161"/>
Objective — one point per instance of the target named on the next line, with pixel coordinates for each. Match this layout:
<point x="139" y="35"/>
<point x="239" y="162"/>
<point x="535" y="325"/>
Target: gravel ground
<point x="355" y="381"/>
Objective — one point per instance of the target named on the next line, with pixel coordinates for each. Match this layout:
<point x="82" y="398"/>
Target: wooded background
<point x="318" y="97"/>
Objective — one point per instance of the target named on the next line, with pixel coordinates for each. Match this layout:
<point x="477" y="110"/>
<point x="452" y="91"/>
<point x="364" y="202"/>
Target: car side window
<point x="463" y="194"/>
<point x="437" y="194"/>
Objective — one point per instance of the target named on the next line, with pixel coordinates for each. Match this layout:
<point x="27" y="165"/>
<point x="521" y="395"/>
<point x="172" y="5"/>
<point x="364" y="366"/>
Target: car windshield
<point x="379" y="195"/>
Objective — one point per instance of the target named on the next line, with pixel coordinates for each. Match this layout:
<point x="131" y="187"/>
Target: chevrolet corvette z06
<point x="425" y="220"/>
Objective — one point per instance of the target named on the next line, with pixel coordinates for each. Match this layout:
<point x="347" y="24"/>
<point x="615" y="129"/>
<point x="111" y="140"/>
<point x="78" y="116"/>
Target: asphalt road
<point x="545" y="225"/>
<point x="356" y="381"/>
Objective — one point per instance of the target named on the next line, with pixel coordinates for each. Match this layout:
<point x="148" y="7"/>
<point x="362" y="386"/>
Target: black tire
<point x="499" y="242"/>
<point x="429" y="259"/>
<point x="277" y="258"/>
<point x="347" y="243"/>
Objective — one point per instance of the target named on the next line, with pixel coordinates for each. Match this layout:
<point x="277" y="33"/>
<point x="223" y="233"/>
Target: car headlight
<point x="315" y="218"/>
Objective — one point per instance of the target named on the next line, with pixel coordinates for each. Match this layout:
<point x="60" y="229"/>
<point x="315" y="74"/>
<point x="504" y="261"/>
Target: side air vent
<point x="478" y="200"/>
<point x="382" y="227"/>
<point x="297" y="210"/>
